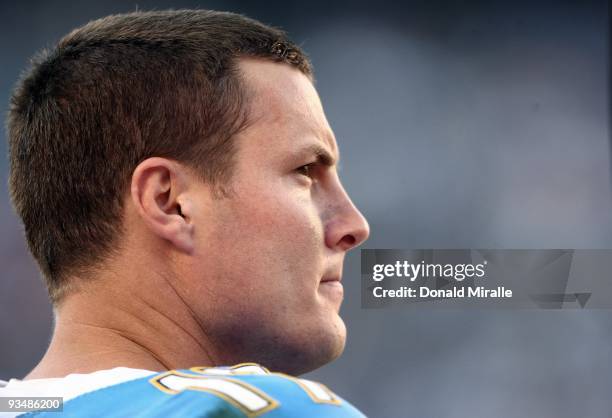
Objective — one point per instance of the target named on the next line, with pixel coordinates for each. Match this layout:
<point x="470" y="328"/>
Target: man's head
<point x="195" y="142"/>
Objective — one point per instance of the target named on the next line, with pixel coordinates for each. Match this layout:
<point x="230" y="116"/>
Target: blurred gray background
<point x="461" y="125"/>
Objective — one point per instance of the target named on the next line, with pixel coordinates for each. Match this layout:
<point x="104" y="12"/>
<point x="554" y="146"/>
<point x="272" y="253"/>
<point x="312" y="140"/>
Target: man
<point x="176" y="178"/>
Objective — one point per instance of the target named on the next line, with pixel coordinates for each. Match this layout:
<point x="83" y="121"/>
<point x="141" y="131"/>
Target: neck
<point x="103" y="326"/>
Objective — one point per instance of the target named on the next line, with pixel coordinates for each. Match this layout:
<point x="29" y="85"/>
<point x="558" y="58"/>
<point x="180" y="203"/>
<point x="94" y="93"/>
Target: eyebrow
<point x="324" y="157"/>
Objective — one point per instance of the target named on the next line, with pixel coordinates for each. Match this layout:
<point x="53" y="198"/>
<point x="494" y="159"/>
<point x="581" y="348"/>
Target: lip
<point x="331" y="279"/>
<point x="331" y="288"/>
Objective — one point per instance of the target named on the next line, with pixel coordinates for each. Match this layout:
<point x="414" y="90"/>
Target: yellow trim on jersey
<point x="239" y="365"/>
<point x="231" y="370"/>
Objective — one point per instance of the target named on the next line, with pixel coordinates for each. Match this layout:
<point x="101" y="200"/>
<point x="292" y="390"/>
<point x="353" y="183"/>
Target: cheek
<point x="272" y="236"/>
<point x="285" y="227"/>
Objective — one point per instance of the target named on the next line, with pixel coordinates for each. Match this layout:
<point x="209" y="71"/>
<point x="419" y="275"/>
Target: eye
<point x="306" y="170"/>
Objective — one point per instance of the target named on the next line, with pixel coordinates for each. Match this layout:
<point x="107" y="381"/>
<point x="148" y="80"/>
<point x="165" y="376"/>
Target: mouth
<point x="331" y="279"/>
<point x="332" y="288"/>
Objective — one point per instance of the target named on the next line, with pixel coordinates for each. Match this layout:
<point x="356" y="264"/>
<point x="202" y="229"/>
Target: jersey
<point x="247" y="390"/>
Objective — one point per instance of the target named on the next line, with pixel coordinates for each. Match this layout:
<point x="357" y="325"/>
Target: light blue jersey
<point x="246" y="390"/>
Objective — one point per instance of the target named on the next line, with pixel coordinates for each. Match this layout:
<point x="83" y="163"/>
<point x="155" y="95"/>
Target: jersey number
<point x="249" y="399"/>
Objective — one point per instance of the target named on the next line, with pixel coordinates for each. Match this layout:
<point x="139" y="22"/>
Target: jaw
<point x="294" y="346"/>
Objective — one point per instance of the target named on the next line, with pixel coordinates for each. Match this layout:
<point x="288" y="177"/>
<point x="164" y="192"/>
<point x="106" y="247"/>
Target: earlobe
<point x="157" y="190"/>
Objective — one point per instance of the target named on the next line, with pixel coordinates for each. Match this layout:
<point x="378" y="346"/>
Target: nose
<point x="347" y="228"/>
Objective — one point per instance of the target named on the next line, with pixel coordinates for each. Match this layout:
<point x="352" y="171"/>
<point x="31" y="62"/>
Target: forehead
<point x="282" y="100"/>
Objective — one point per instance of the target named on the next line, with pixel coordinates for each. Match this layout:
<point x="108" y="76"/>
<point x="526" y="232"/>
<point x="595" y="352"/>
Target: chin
<point x="293" y="346"/>
<point x="316" y="348"/>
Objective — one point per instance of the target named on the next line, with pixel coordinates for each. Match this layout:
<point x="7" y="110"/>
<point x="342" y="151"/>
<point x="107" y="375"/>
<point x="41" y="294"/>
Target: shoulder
<point x="246" y="390"/>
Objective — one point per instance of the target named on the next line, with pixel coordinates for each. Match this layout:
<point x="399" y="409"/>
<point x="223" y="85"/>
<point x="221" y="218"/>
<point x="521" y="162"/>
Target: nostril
<point x="350" y="240"/>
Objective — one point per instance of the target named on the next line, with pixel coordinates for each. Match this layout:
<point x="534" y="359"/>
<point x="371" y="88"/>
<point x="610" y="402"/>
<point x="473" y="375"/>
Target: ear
<point x="158" y="191"/>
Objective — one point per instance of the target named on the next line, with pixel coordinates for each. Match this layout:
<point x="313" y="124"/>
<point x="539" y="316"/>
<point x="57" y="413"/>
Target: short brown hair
<point x="111" y="94"/>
